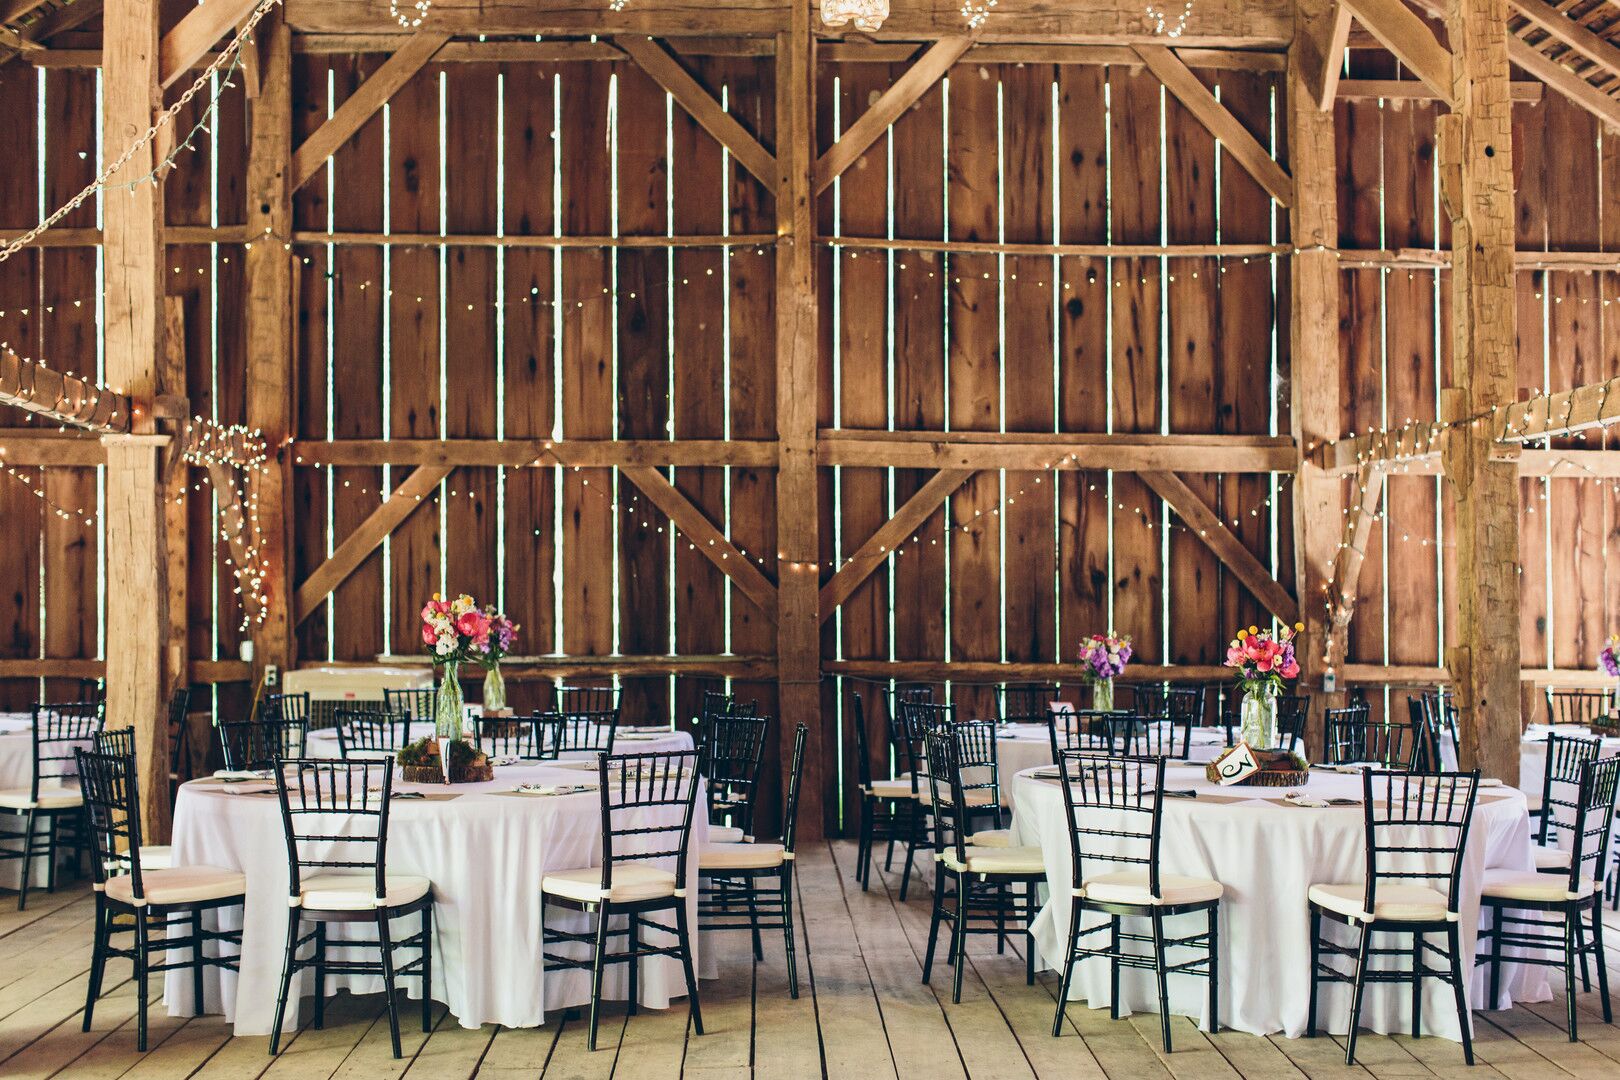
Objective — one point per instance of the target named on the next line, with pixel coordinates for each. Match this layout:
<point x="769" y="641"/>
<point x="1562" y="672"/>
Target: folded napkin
<point x="235" y="775"/>
<point x="1354" y="770"/>
<point x="1299" y="798"/>
<point x="1187" y="793"/>
<point x="553" y="789"/>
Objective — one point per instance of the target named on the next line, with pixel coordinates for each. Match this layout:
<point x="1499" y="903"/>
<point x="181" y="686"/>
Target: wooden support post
<point x="1314" y="345"/>
<point x="1476" y="168"/>
<point x="798" y="626"/>
<point x="135" y="550"/>
<point x="268" y="283"/>
<point x="175" y="479"/>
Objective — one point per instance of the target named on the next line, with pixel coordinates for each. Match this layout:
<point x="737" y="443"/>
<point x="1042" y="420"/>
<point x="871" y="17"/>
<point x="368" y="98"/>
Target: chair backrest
<point x="729" y="758"/>
<point x="978" y="771"/>
<point x="719" y="703"/>
<point x="414" y="703"/>
<point x="1026" y="704"/>
<point x="1110" y="731"/>
<point x="863" y="748"/>
<point x="1115" y="807"/>
<point x="790" y="811"/>
<point x="537" y="737"/>
<point x="588" y="731"/>
<point x="910" y="735"/>
<point x="1149" y="699"/>
<point x="1351" y="736"/>
<point x="1293" y="713"/>
<point x="896" y="700"/>
<point x="1567" y="758"/>
<point x="1576" y="706"/>
<point x="948" y="802"/>
<point x="259" y="744"/>
<point x="120" y="741"/>
<point x="634" y="789"/>
<point x="1162" y="737"/>
<point x="572" y="700"/>
<point x="1425" y="735"/>
<point x="1416" y="829"/>
<point x="371" y="732"/>
<point x="111" y="790"/>
<point x="360" y="791"/>
<point x="1594" y="822"/>
<point x="180" y="734"/>
<point x="285" y="707"/>
<point x="59" y="732"/>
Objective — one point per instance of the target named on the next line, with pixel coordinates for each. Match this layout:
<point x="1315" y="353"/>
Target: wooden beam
<point x="592" y="453"/>
<point x="64" y="398"/>
<point x="1403" y="33"/>
<point x="347" y="556"/>
<point x="175" y="478"/>
<point x="990" y="671"/>
<point x="1322" y="59"/>
<point x="631" y="666"/>
<point x="198" y="670"/>
<point x="1412" y="90"/>
<point x="235" y="524"/>
<point x="667" y="72"/>
<point x="1025" y="451"/>
<point x="1572" y="33"/>
<point x="703" y="534"/>
<point x="1475" y="159"/>
<point x="1236" y="139"/>
<point x="906" y="520"/>
<point x="1118" y="251"/>
<point x="509" y="240"/>
<point x="1564" y="81"/>
<point x="360" y="106"/>
<point x="900" y="96"/>
<point x="19" y="446"/>
<point x="1224" y="543"/>
<point x="1352" y="555"/>
<point x="197" y="32"/>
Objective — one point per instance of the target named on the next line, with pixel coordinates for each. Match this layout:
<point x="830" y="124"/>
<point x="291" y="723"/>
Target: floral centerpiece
<point x="1609" y="664"/>
<point x="497" y="646"/>
<point x="1104" y="657"/>
<point x="1263" y="660"/>
<point x="453" y="632"/>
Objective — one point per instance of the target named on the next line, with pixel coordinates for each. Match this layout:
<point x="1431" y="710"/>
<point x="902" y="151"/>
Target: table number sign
<point x="1235" y="765"/>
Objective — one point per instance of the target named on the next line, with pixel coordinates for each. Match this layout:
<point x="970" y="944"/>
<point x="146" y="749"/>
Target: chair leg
<point x="863" y="849"/>
<point x="788" y="935"/>
<point x="598" y="956"/>
<point x="98" y="963"/>
<point x="28" y="860"/>
<point x="1316" y="960"/>
<point x="753" y="918"/>
<point x="1580" y="947"/>
<point x="143" y="959"/>
<point x="1571" y="922"/>
<point x="633" y="941"/>
<point x="386" y="944"/>
<point x="1003" y="898"/>
<point x="1465" y="1020"/>
<point x="197" y="962"/>
<point x="686" y="967"/>
<point x="287" y="961"/>
<point x="1417" y="986"/>
<point x="1068" y="966"/>
<point x="1113" y="968"/>
<point x="959" y="938"/>
<point x="1029" y="933"/>
<point x="53" y="826"/>
<point x="1598" y="960"/>
<point x="1163" y="979"/>
<point x="1215" y="969"/>
<point x="427" y="964"/>
<point x="319" y="1021"/>
<point x="936" y="917"/>
<point x="1357" y="994"/>
<point x="911" y="852"/>
<point x="1496" y="958"/>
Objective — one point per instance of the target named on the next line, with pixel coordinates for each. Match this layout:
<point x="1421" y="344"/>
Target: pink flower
<point x="1290" y="670"/>
<point x="428" y="636"/>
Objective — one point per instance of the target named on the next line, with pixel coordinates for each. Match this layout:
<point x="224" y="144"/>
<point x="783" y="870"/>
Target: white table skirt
<point x="485" y="852"/>
<point x="1267" y="854"/>
<point x="324" y="743"/>
<point x="1027" y="746"/>
<point x="1533" y="754"/>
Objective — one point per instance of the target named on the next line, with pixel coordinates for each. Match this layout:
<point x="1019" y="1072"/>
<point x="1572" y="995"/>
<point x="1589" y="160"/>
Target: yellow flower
<point x="1254" y="629"/>
<point x="1299" y="626"/>
<point x="1242" y="634"/>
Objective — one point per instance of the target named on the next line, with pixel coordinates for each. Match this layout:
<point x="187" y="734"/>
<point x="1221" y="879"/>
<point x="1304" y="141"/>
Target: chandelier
<point x="867" y="15"/>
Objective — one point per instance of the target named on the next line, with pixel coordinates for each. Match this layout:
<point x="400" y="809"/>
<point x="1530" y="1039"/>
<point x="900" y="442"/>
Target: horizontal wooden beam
<point x="198" y="31"/>
<point x="584" y="453"/>
<point x="603" y="667"/>
<point x="1118" y="251"/>
<point x="62" y="398"/>
<point x="493" y="240"/>
<point x="1421" y="675"/>
<point x="1405" y="34"/>
<point x="906" y="520"/>
<point x="1572" y="33"/>
<point x="200" y="671"/>
<point x="1567" y="412"/>
<point x="19" y="446"/>
<point x="1413" y="90"/>
<point x="971" y="671"/>
<point x="1020" y="450"/>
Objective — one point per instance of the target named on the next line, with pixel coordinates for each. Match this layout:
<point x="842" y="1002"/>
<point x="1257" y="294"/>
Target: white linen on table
<point x="485" y="853"/>
<point x="324" y="743"/>
<point x="1267" y="855"/>
<point x="17" y="771"/>
<point x="1028" y="746"/>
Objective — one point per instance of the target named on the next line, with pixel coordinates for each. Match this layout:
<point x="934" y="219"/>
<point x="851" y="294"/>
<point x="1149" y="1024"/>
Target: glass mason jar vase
<point x="1102" y="695"/>
<point x="1258" y="716"/>
<point x="494" y="690"/>
<point x="447" y="709"/>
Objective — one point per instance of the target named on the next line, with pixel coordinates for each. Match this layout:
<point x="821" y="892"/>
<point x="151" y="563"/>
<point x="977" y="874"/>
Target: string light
<point x="410" y="18"/>
<point x="1161" y="24"/>
<point x="976" y="13"/>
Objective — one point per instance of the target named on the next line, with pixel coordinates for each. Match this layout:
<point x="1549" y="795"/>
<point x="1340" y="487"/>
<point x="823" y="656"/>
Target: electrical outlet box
<point x="1330" y="682"/>
<point x="272" y="675"/>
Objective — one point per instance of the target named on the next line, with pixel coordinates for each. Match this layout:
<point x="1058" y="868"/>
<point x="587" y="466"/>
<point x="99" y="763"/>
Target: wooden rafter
<point x="1525" y="90"/>
<point x="348" y="555"/>
<point x="906" y="520"/>
<point x="1358" y="523"/>
<point x="361" y="105"/>
<point x="1573" y="34"/>
<point x="1564" y="81"/>
<point x="1404" y="33"/>
<point x="905" y="92"/>
<point x="1323" y="59"/>
<point x="196" y="33"/>
<point x="667" y="72"/>
<point x="67" y="399"/>
<point x="704" y="535"/>
<point x="1236" y="139"/>
<point x="55" y="21"/>
<point x="1224" y="543"/>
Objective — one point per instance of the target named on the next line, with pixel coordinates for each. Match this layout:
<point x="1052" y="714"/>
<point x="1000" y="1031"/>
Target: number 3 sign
<point x="1236" y="765"/>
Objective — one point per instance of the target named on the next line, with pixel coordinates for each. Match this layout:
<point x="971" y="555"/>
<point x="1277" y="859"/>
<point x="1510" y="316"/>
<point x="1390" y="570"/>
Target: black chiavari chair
<point x="718" y="703"/>
<point x="731" y="749"/>
<point x="1353" y="737"/>
<point x="1115" y="812"/>
<point x="133" y="897"/>
<point x="370" y="732"/>
<point x="749" y="886"/>
<point x="286" y="708"/>
<point x="1168" y="737"/>
<point x="647" y="805"/>
<point x="1567" y="756"/>
<point x="260" y="744"/>
<point x="538" y="737"/>
<point x="1425" y="737"/>
<point x="1026" y="704"/>
<point x="910" y="736"/>
<point x="1293" y="713"/>
<point x="1416" y="829"/>
<point x="594" y="700"/>
<point x="52" y="797"/>
<point x="585" y="732"/>
<point x="1538" y="915"/>
<point x="179" y="739"/>
<point x="120" y="741"/>
<point x="413" y="703"/>
<point x="888" y="806"/>
<point x="1577" y="707"/>
<point x="973" y="885"/>
<point x="1110" y="730"/>
<point x="92" y="691"/>
<point x="340" y="876"/>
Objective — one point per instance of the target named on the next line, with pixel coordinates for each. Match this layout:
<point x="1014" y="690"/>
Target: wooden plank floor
<point x="864" y="1014"/>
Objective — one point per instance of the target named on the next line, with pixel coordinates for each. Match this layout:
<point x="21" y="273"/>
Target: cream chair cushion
<point x="997" y="860"/>
<point x="179" y="885"/>
<point x="1522" y="885"/>
<point x="1396" y="903"/>
<point x="1549" y="858"/>
<point x="741" y="857"/>
<point x="898" y="788"/>
<point x="156" y="857"/>
<point x="725" y="834"/>
<point x="631" y="881"/>
<point x="1134" y="887"/>
<point x="974" y="797"/>
<point x="358" y="892"/>
<point x="51" y="797"/>
<point x="992" y="838"/>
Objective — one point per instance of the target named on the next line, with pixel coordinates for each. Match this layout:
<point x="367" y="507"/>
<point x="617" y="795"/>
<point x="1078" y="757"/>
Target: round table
<point x="1028" y="746"/>
<point x="485" y="847"/>
<point x="16" y="749"/>
<point x="1267" y="854"/>
<point x="627" y="740"/>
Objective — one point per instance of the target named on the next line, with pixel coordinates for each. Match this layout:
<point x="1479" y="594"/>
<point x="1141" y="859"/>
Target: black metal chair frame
<point x="179" y="739"/>
<point x="760" y="898"/>
<point x="1350" y="735"/>
<point x="413" y="703"/>
<point x="636" y="782"/>
<point x="112" y="808"/>
<point x="1099" y="789"/>
<point x="1561" y="784"/>
<point x="586" y="699"/>
<point x="730" y="752"/>
<point x="536" y="737"/>
<point x="57" y="733"/>
<point x="1445" y="803"/>
<point x="260" y="744"/>
<point x="587" y="731"/>
<point x="1576" y="706"/>
<point x="1026" y="703"/>
<point x="285" y="707"/>
<point x="370" y="731"/>
<point x="1558" y="942"/>
<point x="883" y="818"/>
<point x="360" y="789"/>
<point x="1110" y="730"/>
<point x="720" y="703"/>
<point x="120" y="741"/>
<point x="971" y="902"/>
<point x="916" y="718"/>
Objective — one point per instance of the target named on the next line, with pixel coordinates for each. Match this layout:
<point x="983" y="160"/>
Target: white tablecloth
<point x="324" y="743"/>
<point x="1533" y="754"/>
<point x="17" y="771"/>
<point x="1267" y="854"/>
<point x="1027" y="746"/>
<point x="485" y="852"/>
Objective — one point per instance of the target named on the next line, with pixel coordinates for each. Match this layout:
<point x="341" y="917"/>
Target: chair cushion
<point x="631" y="881"/>
<point x="51" y="797"/>
<point x="1523" y="885"/>
<point x="973" y="796"/>
<point x="725" y="834"/>
<point x="1396" y="903"/>
<point x="1133" y="887"/>
<point x="1549" y="858"/>
<point x="998" y="860"/>
<point x="358" y="892"/>
<point x="156" y="857"/>
<point x="992" y="838"/>
<point x="1533" y="804"/>
<point x="740" y="857"/>
<point x="898" y="788"/>
<point x="178" y="885"/>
